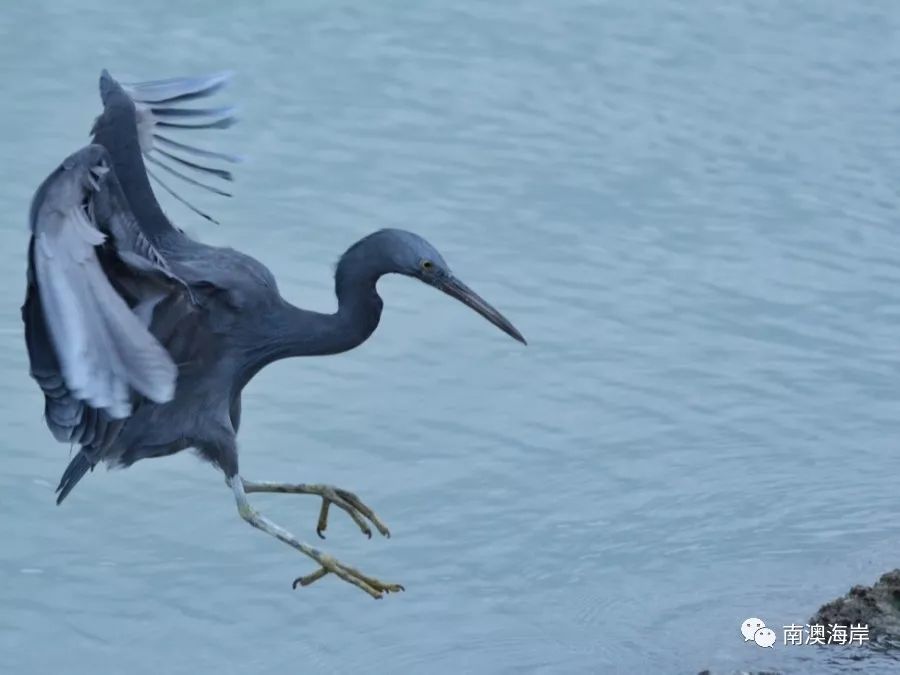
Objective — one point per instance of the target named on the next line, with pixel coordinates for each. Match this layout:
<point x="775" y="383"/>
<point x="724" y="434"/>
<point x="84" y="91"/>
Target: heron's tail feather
<point x="79" y="466"/>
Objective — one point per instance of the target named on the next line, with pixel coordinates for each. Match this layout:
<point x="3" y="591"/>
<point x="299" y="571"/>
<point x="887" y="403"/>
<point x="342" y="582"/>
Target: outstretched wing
<point x="161" y="115"/>
<point x="93" y="280"/>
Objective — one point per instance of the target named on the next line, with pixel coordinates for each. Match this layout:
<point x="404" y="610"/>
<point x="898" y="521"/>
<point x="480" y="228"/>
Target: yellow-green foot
<point x="343" y="499"/>
<point x="374" y="587"/>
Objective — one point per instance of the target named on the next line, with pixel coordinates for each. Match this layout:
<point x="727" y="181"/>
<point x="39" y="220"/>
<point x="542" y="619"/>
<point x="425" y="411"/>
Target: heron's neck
<point x="291" y="331"/>
<point x="307" y="333"/>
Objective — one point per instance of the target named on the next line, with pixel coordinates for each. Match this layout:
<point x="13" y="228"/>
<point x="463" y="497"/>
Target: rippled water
<point x="690" y="211"/>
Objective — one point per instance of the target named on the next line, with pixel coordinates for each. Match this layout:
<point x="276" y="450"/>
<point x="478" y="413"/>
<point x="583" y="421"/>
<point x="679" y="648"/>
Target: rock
<point x="876" y="606"/>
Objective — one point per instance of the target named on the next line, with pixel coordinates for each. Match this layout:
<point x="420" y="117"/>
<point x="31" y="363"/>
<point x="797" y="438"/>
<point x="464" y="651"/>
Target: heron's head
<point x="412" y="256"/>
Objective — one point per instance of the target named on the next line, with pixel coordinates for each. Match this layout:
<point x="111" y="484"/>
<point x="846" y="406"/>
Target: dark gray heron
<point x="142" y="339"/>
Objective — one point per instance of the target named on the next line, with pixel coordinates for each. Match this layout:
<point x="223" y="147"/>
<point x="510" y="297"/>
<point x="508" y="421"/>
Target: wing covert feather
<point x="104" y="350"/>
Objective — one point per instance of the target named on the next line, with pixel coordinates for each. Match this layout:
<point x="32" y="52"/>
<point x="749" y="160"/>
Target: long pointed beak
<point x="457" y="289"/>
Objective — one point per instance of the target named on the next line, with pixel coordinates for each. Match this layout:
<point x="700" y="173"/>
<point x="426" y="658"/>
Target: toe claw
<point x="309" y="578"/>
<point x="370" y="585"/>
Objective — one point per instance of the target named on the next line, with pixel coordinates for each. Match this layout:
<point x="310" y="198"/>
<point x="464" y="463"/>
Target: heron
<point x="142" y="338"/>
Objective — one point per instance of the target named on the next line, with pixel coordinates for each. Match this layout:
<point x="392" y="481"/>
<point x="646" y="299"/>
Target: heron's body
<point x="237" y="327"/>
<point x="143" y="339"/>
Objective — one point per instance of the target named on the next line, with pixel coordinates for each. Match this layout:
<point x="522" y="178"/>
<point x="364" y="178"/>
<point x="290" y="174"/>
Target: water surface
<point x="690" y="211"/>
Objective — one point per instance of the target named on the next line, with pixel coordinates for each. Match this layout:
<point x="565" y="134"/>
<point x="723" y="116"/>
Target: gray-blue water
<point x="689" y="208"/>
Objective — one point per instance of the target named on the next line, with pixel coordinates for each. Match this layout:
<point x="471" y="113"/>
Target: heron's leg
<point x="343" y="499"/>
<point x="370" y="585"/>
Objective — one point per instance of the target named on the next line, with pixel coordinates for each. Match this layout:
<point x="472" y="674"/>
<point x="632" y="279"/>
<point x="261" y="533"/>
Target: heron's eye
<point x="427" y="265"/>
